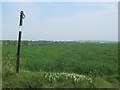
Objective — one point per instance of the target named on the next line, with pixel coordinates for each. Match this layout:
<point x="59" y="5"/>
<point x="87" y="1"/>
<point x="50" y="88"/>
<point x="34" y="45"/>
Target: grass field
<point x="62" y="66"/>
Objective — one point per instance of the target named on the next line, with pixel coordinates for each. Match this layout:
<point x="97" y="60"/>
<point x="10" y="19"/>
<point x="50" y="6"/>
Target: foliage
<point x="56" y="66"/>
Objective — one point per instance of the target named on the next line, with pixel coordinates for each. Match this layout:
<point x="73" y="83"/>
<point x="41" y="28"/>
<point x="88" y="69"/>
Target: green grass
<point x="94" y="61"/>
<point x="0" y="65"/>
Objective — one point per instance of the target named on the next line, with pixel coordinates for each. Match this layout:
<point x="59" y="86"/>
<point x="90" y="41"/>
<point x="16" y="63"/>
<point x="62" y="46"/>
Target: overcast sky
<point x="61" y="20"/>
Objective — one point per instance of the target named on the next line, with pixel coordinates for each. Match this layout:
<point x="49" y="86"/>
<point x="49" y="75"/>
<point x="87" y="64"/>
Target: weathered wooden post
<point x="22" y="16"/>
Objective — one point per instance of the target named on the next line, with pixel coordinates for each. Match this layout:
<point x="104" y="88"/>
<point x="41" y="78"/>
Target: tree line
<point x="42" y="42"/>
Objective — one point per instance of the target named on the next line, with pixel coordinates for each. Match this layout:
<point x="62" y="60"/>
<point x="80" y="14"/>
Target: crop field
<point x="61" y="66"/>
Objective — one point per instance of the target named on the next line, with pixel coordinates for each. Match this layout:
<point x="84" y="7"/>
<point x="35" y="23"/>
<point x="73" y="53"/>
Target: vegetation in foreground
<point x="61" y="66"/>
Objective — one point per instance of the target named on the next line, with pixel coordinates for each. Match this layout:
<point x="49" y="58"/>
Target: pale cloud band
<point x="60" y="0"/>
<point x="62" y="21"/>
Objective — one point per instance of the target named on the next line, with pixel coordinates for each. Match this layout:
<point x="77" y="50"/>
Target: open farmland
<point x="61" y="66"/>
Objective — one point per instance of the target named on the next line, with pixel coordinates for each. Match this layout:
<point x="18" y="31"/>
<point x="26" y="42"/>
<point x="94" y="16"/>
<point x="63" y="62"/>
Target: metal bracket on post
<point x="22" y="16"/>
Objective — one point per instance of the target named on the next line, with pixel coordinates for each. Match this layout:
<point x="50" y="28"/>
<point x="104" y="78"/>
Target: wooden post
<point x="22" y="16"/>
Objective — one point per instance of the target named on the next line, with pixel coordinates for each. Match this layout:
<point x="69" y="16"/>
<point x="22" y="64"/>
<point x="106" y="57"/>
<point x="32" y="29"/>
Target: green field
<point x="61" y="66"/>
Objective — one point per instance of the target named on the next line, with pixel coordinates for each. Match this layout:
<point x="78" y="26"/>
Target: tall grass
<point x="95" y="61"/>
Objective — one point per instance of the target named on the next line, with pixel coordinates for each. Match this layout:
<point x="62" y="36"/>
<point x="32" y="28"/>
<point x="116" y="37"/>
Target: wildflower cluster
<point x="67" y="76"/>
